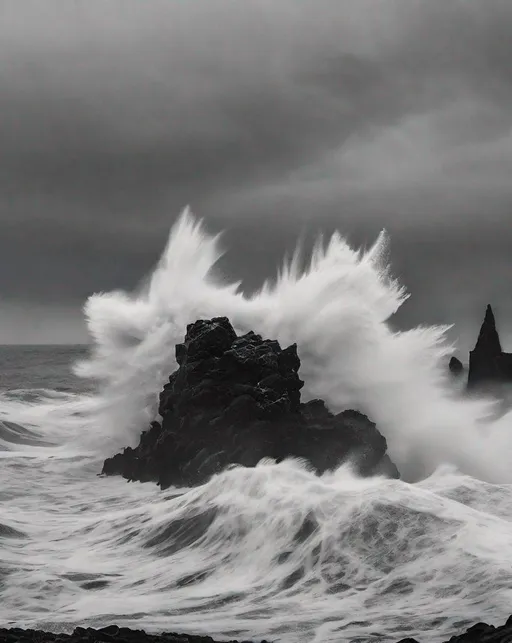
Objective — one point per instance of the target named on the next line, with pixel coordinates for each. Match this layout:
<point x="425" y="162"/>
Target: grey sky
<point x="273" y="120"/>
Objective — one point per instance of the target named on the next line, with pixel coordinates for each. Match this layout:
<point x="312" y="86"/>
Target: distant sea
<point x="42" y="367"/>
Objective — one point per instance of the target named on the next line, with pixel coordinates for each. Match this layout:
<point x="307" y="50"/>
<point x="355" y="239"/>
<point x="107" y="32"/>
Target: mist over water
<point x="273" y="552"/>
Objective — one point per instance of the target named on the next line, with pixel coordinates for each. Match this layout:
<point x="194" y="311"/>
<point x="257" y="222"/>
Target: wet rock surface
<point x="236" y="400"/>
<point x="456" y="367"/>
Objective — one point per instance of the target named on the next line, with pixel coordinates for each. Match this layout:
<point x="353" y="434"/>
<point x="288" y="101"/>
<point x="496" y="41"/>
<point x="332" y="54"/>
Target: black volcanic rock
<point x="236" y="400"/>
<point x="456" y="367"/>
<point x="487" y="362"/>
<point x="479" y="633"/>
<point x="109" y="634"/>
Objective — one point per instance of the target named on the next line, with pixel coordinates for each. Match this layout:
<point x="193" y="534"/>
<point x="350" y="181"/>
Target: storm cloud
<point x="274" y="121"/>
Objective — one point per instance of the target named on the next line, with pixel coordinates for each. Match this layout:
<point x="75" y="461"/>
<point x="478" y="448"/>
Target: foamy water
<point x="274" y="552"/>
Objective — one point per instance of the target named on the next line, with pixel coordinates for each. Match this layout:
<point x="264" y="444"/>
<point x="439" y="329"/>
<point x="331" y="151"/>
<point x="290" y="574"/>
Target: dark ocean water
<point x="42" y="367"/>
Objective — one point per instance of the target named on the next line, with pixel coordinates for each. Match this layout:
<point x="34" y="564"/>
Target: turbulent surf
<point x="276" y="551"/>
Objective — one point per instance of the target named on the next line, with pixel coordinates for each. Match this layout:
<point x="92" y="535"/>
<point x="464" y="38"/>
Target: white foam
<point x="337" y="311"/>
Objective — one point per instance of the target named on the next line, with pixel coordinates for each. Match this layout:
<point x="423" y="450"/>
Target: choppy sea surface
<point x="273" y="552"/>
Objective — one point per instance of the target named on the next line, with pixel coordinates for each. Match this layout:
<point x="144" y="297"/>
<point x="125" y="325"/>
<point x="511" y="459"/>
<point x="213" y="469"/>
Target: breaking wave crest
<point x="337" y="311"/>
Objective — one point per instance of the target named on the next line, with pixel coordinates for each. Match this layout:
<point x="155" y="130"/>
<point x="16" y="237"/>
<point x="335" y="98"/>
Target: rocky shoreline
<point x="479" y="633"/>
<point x="109" y="634"/>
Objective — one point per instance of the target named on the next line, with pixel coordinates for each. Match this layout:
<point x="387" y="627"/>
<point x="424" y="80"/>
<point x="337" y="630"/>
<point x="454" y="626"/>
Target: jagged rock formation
<point x="236" y="400"/>
<point x="456" y="367"/>
<point x="488" y="363"/>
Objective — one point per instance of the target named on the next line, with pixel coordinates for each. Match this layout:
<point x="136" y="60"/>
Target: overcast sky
<point x="272" y="119"/>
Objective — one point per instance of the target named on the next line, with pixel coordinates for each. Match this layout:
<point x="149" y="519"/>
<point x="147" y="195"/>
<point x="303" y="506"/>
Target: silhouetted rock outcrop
<point x="479" y="633"/>
<point x="236" y="400"/>
<point x="488" y="363"/>
<point x="456" y="367"/>
<point x="109" y="634"/>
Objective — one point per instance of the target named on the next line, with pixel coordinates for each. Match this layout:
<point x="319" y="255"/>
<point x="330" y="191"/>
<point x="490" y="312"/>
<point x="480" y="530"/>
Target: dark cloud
<point x="273" y="120"/>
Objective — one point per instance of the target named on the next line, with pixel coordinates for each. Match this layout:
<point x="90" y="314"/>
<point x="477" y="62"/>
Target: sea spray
<point x="337" y="310"/>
